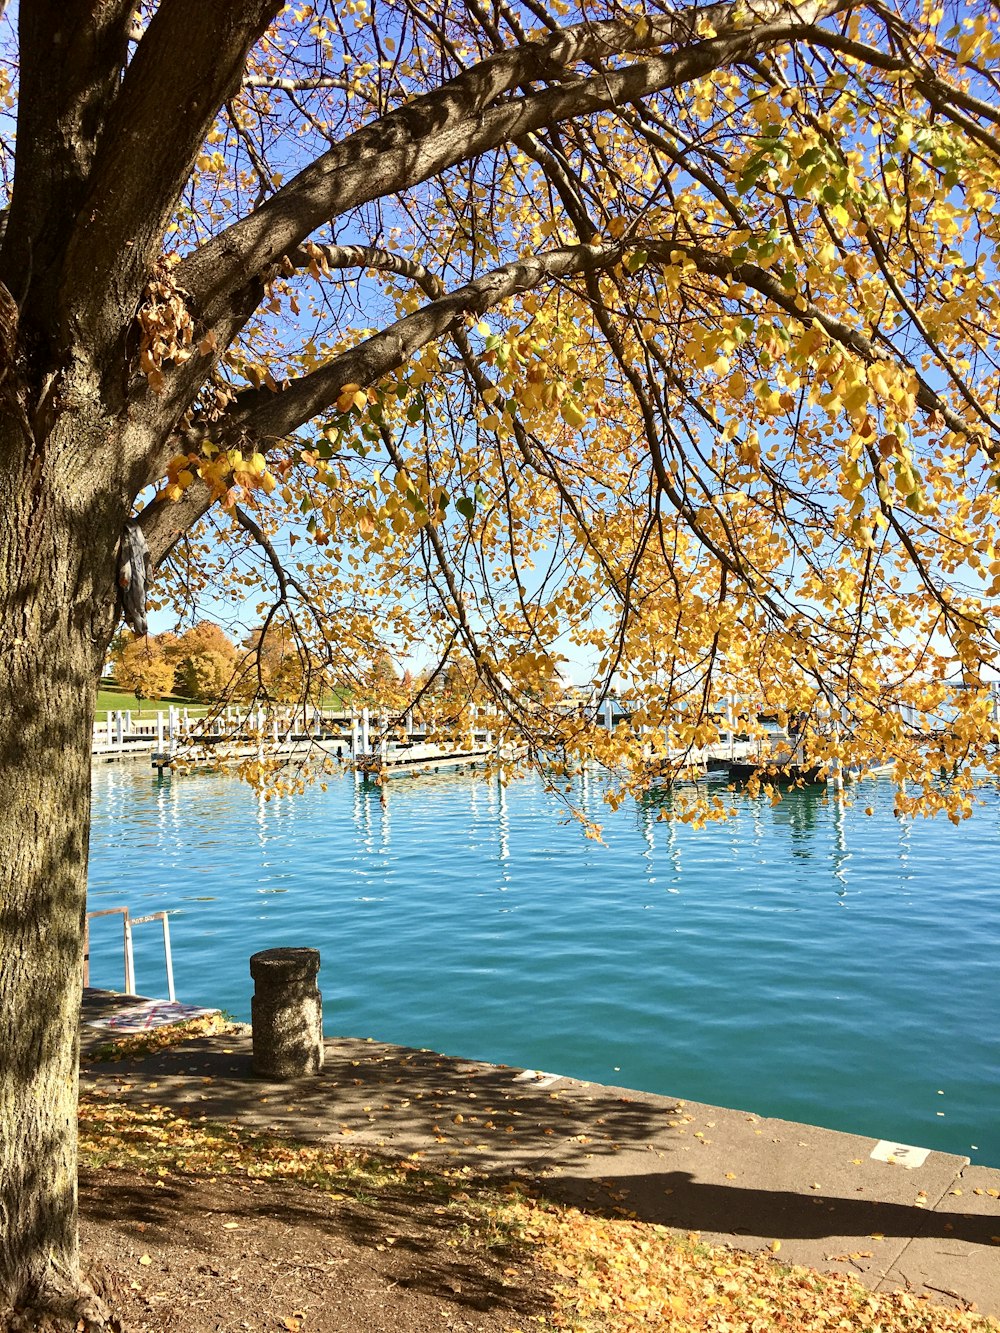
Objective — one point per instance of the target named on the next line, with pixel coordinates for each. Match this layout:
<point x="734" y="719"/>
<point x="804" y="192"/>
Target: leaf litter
<point x="559" y="1268"/>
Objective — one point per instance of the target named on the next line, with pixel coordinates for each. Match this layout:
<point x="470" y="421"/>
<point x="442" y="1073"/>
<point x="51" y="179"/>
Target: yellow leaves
<point x="622" y="1275"/>
<point x="768" y="398"/>
<point x="573" y="414"/>
<point x="319" y="265"/>
<point x="351" y="396"/>
<point x="226" y="474"/>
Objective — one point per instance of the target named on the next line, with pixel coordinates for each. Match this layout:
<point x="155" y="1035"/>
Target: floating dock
<point x="412" y="760"/>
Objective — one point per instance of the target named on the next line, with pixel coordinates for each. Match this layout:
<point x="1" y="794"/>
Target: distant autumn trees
<point x="141" y="666"/>
<point x="204" y="664"/>
<point x="199" y="664"/>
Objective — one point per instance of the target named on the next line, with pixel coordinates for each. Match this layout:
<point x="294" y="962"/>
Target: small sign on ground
<point x="899" y="1154"/>
<point x="537" y="1078"/>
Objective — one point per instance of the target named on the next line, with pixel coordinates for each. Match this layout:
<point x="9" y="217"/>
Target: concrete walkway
<point x="925" y="1222"/>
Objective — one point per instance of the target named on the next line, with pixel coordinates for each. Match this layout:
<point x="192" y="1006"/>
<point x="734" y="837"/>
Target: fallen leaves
<point x="140" y="1044"/>
<point x="621" y="1276"/>
<point x="608" y="1275"/>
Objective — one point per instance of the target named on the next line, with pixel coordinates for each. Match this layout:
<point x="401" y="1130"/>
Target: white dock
<point x="411" y="760"/>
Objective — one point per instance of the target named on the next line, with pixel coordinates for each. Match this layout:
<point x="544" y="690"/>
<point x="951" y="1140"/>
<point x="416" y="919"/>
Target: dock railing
<point x="129" y="923"/>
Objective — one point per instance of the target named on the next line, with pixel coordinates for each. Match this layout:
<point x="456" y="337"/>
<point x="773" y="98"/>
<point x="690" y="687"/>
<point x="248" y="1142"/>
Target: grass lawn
<point x="111" y="699"/>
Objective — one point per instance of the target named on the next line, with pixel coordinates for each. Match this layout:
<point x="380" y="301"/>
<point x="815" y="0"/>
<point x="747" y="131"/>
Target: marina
<point x="807" y="960"/>
<point x="375" y="748"/>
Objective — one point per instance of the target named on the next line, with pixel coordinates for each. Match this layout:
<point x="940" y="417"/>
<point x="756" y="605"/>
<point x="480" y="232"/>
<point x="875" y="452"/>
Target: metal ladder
<point x="129" y="922"/>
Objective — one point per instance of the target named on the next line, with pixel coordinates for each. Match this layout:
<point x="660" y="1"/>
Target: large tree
<point x="519" y="329"/>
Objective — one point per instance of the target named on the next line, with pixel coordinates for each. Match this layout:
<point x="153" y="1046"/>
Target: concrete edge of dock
<point x="893" y="1215"/>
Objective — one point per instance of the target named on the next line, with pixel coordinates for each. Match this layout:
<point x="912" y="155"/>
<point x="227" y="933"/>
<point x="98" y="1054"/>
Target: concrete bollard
<point x="287" y="1013"/>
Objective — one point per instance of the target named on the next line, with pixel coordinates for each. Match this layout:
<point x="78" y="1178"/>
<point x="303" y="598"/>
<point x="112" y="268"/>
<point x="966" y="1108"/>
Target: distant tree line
<point x="204" y="664"/>
<point x="199" y="664"/>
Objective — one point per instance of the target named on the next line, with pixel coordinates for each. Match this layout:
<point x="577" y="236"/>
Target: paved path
<point x="932" y="1228"/>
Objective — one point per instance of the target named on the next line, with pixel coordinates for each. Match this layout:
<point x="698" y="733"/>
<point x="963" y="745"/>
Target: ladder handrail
<point x="126" y="940"/>
<point x="168" y="957"/>
<point x="129" y="922"/>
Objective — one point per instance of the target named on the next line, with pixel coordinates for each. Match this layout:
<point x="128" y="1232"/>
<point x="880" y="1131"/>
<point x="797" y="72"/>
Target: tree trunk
<point x="56" y="612"/>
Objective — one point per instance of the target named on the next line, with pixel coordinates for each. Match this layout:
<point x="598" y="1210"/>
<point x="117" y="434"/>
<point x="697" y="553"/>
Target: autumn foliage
<point x="602" y="1274"/>
<point x="693" y="388"/>
<point x="659" y="341"/>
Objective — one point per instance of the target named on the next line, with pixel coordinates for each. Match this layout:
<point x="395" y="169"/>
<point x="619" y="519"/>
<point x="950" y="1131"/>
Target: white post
<point x="159" y="729"/>
<point x="609" y="714"/>
<point x="119" y="730"/>
<point x="110" y="724"/>
<point x="354" y="736"/>
<point x="171" y="995"/>
<point x="838" y="767"/>
<point x="129" y="958"/>
<point x="365" y="731"/>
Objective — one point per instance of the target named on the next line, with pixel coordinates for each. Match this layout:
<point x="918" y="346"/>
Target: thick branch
<point x="265" y="415"/>
<point x="72" y="54"/>
<point x="268" y="415"/>
<point x="165" y="522"/>
<point x="226" y="277"/>
<point x="465" y="118"/>
<point x="189" y="60"/>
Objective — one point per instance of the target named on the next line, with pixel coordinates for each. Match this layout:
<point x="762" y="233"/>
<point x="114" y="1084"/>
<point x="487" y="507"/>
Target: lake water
<point x="805" y="961"/>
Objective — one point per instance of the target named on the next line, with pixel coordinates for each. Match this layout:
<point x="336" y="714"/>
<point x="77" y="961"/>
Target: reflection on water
<point x="803" y="960"/>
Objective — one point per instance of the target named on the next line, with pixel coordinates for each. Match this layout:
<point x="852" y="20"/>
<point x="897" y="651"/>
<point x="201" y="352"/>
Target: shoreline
<point x="832" y="1201"/>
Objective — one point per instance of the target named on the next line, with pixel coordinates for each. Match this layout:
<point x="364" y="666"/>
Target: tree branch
<point x="148" y="149"/>
<point x="794" y="304"/>
<point x="466" y="117"/>
<point x="72" y="54"/>
<point x="267" y="415"/>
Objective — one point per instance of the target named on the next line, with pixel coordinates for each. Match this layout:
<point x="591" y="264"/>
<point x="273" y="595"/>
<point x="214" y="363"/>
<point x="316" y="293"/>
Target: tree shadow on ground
<point x="677" y="1199"/>
<point x="395" y="1230"/>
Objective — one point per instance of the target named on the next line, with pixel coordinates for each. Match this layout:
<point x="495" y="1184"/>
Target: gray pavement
<point x="932" y="1228"/>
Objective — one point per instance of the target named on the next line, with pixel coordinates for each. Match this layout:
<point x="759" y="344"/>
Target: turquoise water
<point x="805" y="961"/>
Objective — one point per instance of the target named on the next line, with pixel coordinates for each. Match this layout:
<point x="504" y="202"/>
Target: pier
<point x="177" y="737"/>
<point x="413" y="759"/>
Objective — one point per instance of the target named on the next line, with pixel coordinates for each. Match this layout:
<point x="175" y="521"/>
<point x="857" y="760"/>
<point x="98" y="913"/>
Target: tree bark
<point x="57" y="608"/>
